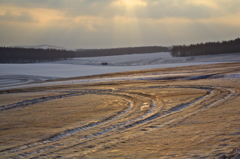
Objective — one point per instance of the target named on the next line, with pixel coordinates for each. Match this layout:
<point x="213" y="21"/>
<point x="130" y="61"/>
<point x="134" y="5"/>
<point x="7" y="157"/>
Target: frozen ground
<point x="16" y="74"/>
<point x="184" y="112"/>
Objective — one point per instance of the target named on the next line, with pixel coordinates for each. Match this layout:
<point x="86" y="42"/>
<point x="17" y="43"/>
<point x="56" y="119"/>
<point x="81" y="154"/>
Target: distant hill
<point x="43" y="46"/>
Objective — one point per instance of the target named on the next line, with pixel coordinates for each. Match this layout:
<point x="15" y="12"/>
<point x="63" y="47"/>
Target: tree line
<point x="120" y="51"/>
<point x="32" y="55"/>
<point x="209" y="48"/>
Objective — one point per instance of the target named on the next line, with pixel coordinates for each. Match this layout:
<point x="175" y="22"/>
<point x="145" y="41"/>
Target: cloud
<point x="21" y="17"/>
<point x="192" y="9"/>
<point x="70" y="7"/>
<point x="109" y="23"/>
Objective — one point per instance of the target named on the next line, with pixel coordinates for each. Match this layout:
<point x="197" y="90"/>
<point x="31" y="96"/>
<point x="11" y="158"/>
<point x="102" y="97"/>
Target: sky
<point x="86" y="24"/>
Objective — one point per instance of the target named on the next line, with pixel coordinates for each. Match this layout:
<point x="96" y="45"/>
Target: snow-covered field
<point x="160" y="59"/>
<point x="15" y="74"/>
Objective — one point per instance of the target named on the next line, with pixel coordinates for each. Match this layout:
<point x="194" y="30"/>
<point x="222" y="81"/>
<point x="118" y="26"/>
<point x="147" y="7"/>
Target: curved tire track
<point x="124" y="122"/>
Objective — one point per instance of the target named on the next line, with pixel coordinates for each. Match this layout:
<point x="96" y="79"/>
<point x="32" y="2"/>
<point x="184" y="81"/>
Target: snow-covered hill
<point x="43" y="46"/>
<point x="18" y="73"/>
<point x="159" y="59"/>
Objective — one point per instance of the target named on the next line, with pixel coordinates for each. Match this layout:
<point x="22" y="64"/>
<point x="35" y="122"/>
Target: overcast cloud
<point x="117" y="23"/>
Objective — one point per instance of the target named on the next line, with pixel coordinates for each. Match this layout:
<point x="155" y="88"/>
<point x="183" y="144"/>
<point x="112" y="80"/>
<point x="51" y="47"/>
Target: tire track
<point x="125" y="125"/>
<point x="16" y="80"/>
<point x="86" y="127"/>
<point x="95" y="136"/>
<point x="93" y="149"/>
<point x="26" y="103"/>
<point x="120" y="124"/>
<point x="231" y="94"/>
<point x="71" y="131"/>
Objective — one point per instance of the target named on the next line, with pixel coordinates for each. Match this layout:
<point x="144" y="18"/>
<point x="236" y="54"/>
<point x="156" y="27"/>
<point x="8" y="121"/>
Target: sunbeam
<point x="131" y="3"/>
<point x="128" y="24"/>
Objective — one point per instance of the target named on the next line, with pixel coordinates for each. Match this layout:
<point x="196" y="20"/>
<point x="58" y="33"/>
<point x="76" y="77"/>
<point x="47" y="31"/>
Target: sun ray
<point x="126" y="27"/>
<point x="130" y="3"/>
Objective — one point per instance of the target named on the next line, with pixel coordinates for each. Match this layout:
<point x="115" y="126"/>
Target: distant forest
<point x="32" y="55"/>
<point x="120" y="51"/>
<point x="210" y="48"/>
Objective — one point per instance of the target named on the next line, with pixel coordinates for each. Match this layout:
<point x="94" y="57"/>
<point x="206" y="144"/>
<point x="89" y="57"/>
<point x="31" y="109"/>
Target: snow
<point x="15" y="74"/>
<point x="43" y="46"/>
<point x="122" y="60"/>
<point x="151" y="59"/>
<point x="69" y="70"/>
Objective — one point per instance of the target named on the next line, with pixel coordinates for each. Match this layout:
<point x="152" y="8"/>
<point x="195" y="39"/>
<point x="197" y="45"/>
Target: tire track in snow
<point x="231" y="94"/>
<point x="172" y="111"/>
<point x="154" y="113"/>
<point x="26" y="103"/>
<point x="71" y="131"/>
<point x="94" y="136"/>
<point x="124" y="126"/>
